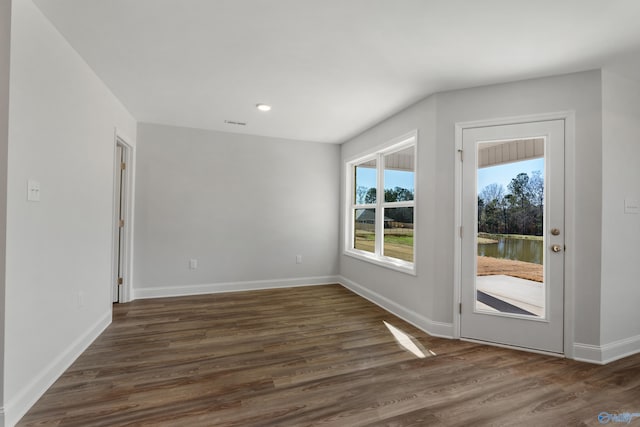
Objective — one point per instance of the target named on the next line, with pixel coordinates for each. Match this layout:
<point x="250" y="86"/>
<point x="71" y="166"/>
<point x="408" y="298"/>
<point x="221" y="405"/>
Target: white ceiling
<point x="330" y="68"/>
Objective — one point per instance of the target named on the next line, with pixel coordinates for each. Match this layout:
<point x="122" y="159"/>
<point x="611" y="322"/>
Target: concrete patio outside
<point x="502" y="293"/>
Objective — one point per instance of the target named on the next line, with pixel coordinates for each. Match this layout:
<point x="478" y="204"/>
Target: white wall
<point x="61" y="133"/>
<point x="620" y="231"/>
<point x="404" y="294"/>
<point x="580" y="92"/>
<point x="243" y="206"/>
<point x="430" y="294"/>
<point x="5" y="44"/>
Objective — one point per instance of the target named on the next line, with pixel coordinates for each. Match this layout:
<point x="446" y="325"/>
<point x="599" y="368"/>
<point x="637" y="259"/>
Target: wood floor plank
<point x="310" y="356"/>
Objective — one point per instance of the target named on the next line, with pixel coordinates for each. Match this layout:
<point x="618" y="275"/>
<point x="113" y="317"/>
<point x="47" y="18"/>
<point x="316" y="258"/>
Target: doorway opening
<point x="122" y="221"/>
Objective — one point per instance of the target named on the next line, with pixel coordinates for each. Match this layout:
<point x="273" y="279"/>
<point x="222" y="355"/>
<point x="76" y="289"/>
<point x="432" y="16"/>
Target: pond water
<point x="516" y="249"/>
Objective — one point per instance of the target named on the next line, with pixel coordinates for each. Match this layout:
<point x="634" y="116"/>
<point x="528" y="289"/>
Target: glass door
<point x="512" y="245"/>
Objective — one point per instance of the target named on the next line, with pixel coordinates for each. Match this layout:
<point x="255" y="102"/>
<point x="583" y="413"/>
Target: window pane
<point x="510" y="243"/>
<point x="398" y="233"/>
<point x="364" y="235"/>
<point x="399" y="172"/>
<point x="366" y="177"/>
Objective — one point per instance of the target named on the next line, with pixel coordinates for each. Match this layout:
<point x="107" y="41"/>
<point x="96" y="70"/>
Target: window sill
<point x="390" y="263"/>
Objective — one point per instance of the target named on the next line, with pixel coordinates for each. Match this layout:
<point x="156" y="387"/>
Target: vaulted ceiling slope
<point x="329" y="68"/>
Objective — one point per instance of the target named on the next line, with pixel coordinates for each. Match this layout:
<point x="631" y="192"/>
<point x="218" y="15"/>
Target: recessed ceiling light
<point x="263" y="107"/>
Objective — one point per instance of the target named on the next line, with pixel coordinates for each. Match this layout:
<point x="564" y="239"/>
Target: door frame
<point x="127" y="200"/>
<point x="569" y="212"/>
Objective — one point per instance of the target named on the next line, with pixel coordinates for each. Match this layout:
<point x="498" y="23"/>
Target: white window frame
<point x="397" y="144"/>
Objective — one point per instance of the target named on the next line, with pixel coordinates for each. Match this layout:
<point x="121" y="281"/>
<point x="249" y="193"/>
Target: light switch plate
<point x="631" y="206"/>
<point x="33" y="190"/>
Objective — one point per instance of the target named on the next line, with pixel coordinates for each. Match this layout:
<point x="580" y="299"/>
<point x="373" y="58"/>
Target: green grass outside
<point x="365" y="235"/>
<point x="395" y="245"/>
<point x="509" y="236"/>
<point x="399" y="240"/>
<point x="485" y="241"/>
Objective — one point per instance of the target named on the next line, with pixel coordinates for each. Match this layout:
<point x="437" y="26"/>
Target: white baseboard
<point x="213" y="288"/>
<point x="587" y="353"/>
<point x="606" y="353"/>
<point x="437" y="329"/>
<point x="19" y="404"/>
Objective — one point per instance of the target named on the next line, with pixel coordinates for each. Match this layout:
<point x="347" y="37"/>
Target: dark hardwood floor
<point x="315" y="356"/>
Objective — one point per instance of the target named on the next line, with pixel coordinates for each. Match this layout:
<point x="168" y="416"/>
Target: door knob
<point x="555" y="231"/>
<point x="556" y="248"/>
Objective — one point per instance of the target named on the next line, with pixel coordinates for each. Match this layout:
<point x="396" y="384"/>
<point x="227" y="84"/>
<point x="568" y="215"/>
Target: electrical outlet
<point x="193" y="264"/>
<point x="298" y="259"/>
